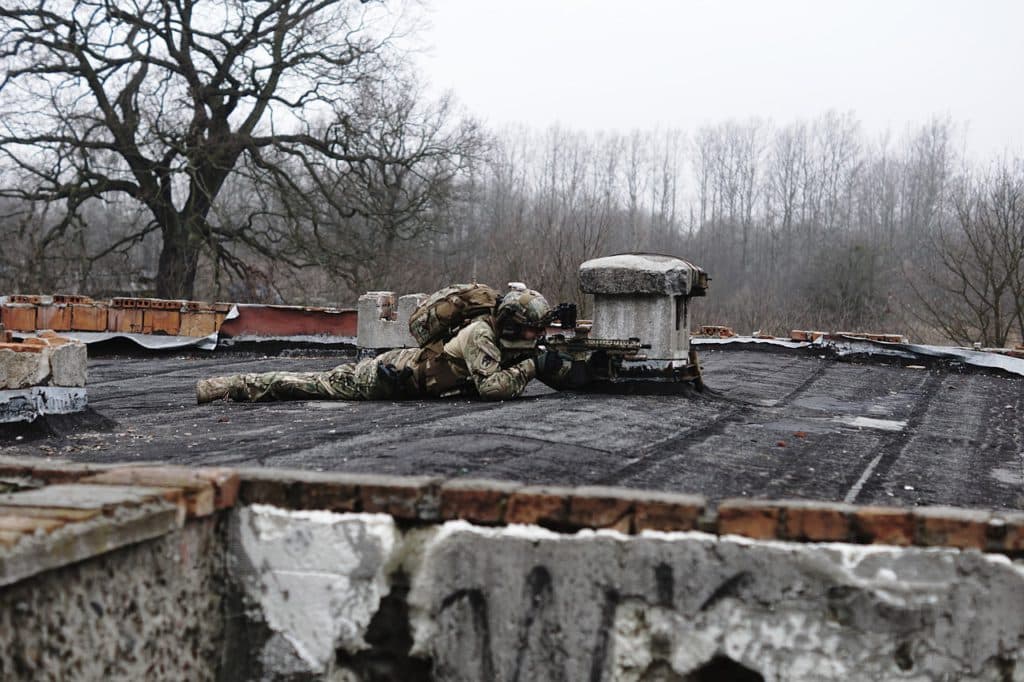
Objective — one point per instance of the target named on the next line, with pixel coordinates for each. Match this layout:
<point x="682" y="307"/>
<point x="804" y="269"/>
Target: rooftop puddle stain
<point x="872" y="423"/>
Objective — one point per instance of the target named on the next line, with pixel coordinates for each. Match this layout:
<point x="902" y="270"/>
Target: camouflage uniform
<point x="470" y="364"/>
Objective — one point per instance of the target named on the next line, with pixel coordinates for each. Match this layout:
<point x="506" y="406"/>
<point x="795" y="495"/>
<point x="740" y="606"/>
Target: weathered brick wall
<point x="360" y="577"/>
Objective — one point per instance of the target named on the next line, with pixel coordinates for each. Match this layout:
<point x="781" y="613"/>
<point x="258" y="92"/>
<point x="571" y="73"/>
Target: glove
<point x="548" y="362"/>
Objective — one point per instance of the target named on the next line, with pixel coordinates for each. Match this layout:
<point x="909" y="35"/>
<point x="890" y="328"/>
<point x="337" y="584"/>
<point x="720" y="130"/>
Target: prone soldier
<point x="494" y="356"/>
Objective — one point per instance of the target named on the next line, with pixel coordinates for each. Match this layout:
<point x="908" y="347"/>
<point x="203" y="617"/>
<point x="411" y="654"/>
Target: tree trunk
<point x="179" y="259"/>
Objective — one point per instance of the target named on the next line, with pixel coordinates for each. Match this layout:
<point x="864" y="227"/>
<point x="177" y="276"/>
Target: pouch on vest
<point x="445" y="312"/>
<point x="436" y="376"/>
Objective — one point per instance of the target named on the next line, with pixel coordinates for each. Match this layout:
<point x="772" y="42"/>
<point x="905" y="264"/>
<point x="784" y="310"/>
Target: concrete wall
<point x="293" y="576"/>
<point x="525" y="603"/>
<point x="154" y="610"/>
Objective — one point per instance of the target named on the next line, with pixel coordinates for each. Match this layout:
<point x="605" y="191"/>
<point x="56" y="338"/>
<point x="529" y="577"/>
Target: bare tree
<point x="162" y="100"/>
<point x="974" y="292"/>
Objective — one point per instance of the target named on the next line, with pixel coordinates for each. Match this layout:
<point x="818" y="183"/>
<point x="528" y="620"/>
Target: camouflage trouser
<point x="351" y="381"/>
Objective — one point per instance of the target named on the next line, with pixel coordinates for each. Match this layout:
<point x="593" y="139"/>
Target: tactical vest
<point x="437" y="320"/>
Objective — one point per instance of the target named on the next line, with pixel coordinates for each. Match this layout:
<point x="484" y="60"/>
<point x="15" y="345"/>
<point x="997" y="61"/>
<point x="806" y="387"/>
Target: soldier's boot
<point x="208" y="390"/>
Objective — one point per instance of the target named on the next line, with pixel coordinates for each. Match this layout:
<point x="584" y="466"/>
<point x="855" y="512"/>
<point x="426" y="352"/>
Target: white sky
<point x="605" y="65"/>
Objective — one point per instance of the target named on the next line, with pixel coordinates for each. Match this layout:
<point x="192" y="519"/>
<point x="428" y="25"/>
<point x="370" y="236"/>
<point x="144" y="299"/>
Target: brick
<point x="55" y="317"/>
<point x="161" y="321"/>
<point x="18" y="317"/>
<point x="198" y="323"/>
<point x="72" y="298"/>
<point x="668" y="512"/>
<point x="816" y="521"/>
<point x="29" y="524"/>
<point x="1006" y="532"/>
<point x="750" y="518"/>
<point x="199" y="492"/>
<point x="540" y="505"/>
<point x="126" y="319"/>
<point x="88" y="318"/>
<point x="30" y="299"/>
<point x="602" y="507"/>
<point x="883" y="525"/>
<point x="298" y="489"/>
<point x="23" y="347"/>
<point x="952" y="527"/>
<point x="476" y="500"/>
<point x="404" y="497"/>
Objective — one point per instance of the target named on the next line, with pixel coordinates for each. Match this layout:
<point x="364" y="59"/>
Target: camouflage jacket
<point x="478" y="360"/>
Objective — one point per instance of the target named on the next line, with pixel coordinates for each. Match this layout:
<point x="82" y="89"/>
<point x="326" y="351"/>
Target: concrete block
<point x="539" y="505"/>
<point x="25" y="404"/>
<point x="383" y="321"/>
<point x="663" y="322"/>
<point x="883" y="525"/>
<point x="816" y="521"/>
<point x="476" y="500"/>
<point x="144" y="518"/>
<point x="316" y="577"/>
<point x="750" y="518"/>
<point x="23" y="367"/>
<point x="952" y="527"/>
<point x="530" y="604"/>
<point x="668" y="512"/>
<point x="68" y="364"/>
<point x="631" y="274"/>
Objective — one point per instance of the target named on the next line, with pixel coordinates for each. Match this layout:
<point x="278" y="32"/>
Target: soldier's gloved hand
<point x="549" y="362"/>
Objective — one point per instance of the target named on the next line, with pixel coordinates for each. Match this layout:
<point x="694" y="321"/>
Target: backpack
<point x="445" y="312"/>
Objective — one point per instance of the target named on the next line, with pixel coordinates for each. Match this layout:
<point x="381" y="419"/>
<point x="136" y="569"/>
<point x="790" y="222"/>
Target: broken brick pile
<point x="45" y="360"/>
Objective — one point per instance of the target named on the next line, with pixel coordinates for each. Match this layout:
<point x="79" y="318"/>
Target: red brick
<point x="750" y="518"/>
<point x="668" y="512"/>
<point x="952" y="527"/>
<point x="539" y="505"/>
<point x="72" y="298"/>
<point x="161" y="321"/>
<point x="816" y="521"/>
<point x="198" y="493"/>
<point x="1006" y="532"/>
<point x="404" y="497"/>
<point x="127" y="320"/>
<point x="476" y="500"/>
<point x="18" y="317"/>
<point x="24" y="347"/>
<point x="601" y="507"/>
<point x="299" y="489"/>
<point x="30" y="299"/>
<point x="56" y="317"/>
<point x="198" y="323"/>
<point x="883" y="525"/>
<point x="88" y="318"/>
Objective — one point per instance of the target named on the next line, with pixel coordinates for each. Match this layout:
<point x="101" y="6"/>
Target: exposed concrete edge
<point x="86" y="539"/>
<point x="420" y="500"/>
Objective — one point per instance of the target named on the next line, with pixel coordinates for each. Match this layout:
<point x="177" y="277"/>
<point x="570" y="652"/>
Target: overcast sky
<point x="604" y="65"/>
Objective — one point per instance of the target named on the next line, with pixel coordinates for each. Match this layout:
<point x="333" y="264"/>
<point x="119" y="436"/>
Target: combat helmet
<point x="521" y="307"/>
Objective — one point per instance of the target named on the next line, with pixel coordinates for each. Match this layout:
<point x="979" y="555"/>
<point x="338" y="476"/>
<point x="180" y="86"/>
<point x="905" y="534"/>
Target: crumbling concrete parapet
<point x="384" y="320"/>
<point x="644" y="296"/>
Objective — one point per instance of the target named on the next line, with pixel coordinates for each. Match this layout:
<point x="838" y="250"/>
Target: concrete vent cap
<point x="638" y="273"/>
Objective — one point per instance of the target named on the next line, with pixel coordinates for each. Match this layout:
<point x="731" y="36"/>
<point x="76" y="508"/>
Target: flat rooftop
<point x="776" y="424"/>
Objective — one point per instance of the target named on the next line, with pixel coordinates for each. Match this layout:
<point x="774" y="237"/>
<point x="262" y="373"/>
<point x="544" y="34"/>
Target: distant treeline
<point x="811" y="224"/>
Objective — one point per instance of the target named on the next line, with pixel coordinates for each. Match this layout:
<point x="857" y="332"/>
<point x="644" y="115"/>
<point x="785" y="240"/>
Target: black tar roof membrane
<point x="775" y="425"/>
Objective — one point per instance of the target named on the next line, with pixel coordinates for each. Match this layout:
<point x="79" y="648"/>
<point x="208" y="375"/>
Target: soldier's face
<point x="531" y="333"/>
